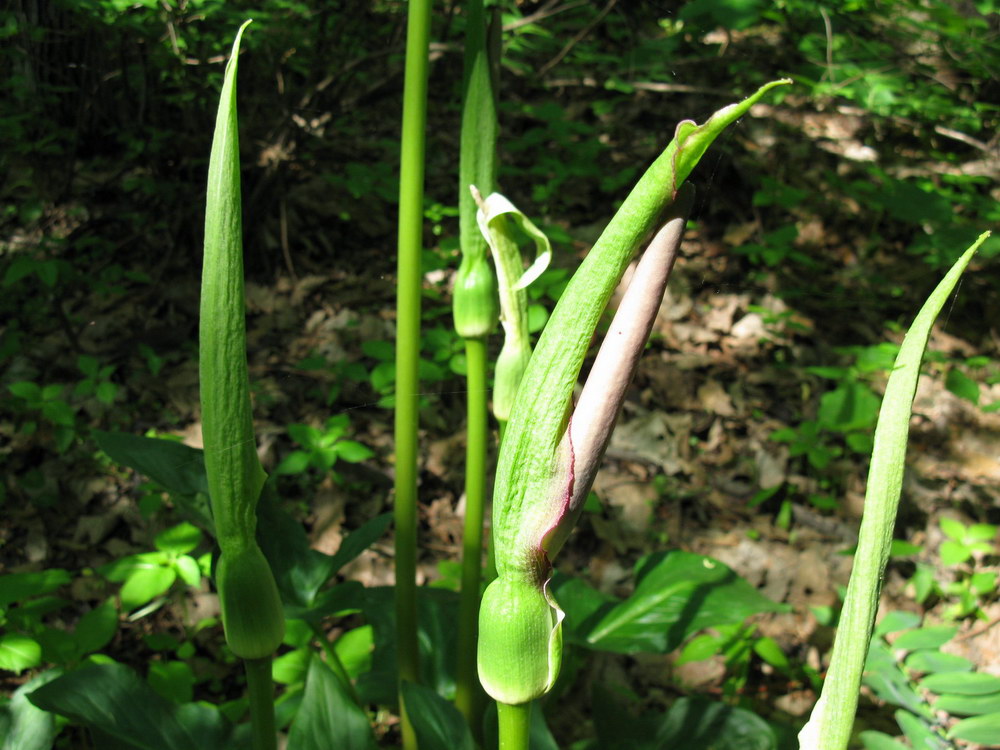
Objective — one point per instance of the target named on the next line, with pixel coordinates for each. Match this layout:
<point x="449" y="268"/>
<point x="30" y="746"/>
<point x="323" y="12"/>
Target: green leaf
<point x="176" y="466"/>
<point x="928" y="637"/>
<point x="436" y="722"/>
<point x="930" y="661"/>
<point x="113" y="699"/>
<point x="26" y="390"/>
<point x="880" y="741"/>
<point x="918" y="732"/>
<point x="699" y="648"/>
<point x="691" y="723"/>
<point x="179" y="539"/>
<point x="19" y="652"/>
<point x="677" y="594"/>
<point x="294" y="463"/>
<point x="145" y="584"/>
<point x="355" y="650"/>
<point x="897" y="620"/>
<point x="962" y="683"/>
<point x="96" y="628"/>
<point x="328" y="717"/>
<point x="353" y="452"/>
<point x="437" y="613"/>
<point x="952" y="529"/>
<point x="851" y="406"/>
<point x="828" y="726"/>
<point x="292" y="668"/>
<point x="883" y="675"/>
<point x="28" y="727"/>
<point x="981" y="532"/>
<point x="962" y="385"/>
<point x="359" y="540"/>
<point x="188" y="569"/>
<point x="968" y="705"/>
<point x="983" y="729"/>
<point x="954" y="553"/>
<point x="17" y="587"/>
<point x="174" y="680"/>
<point x="768" y="650"/>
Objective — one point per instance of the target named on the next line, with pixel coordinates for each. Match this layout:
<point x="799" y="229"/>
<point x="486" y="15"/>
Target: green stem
<point x="515" y="725"/>
<point x="411" y="195"/>
<point x="333" y="661"/>
<point x="467" y="689"/>
<point x="260" y="694"/>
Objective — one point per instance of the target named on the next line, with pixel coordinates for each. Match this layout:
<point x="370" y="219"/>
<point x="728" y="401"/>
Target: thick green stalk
<point x="475" y="313"/>
<point x="260" y="695"/>
<point x="411" y="196"/>
<point x="252" y="615"/>
<point x="829" y="726"/>
<point x="467" y="689"/>
<point x="514" y="725"/>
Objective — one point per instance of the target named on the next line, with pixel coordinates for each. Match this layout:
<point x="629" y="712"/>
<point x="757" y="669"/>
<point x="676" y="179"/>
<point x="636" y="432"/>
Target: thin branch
<point x="576" y="39"/>
<point x="544" y="12"/>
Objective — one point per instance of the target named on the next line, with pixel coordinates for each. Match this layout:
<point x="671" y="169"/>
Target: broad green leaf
<point x="952" y="529"/>
<point x="931" y="661"/>
<point x="355" y="650"/>
<point x="883" y="675"/>
<point x="174" y="680"/>
<point x="919" y="733"/>
<point x="145" y="584"/>
<point x="677" y="594"/>
<point x="96" y="628"/>
<point x="359" y="540"/>
<point x="437" y="612"/>
<point x="292" y="667"/>
<point x="968" y="705"/>
<point x="897" y="620"/>
<point x="830" y="723"/>
<point x="436" y="722"/>
<point x="928" y="637"/>
<point x="328" y="717"/>
<point x="691" y="723"/>
<point x="352" y="451"/>
<point x="962" y="385"/>
<point x="24" y="726"/>
<point x="962" y="683"/>
<point x="176" y="466"/>
<point x="180" y="539"/>
<point x="17" y="587"/>
<point x="113" y="699"/>
<point x="983" y="729"/>
<point x="19" y="652"/>
<point x="879" y="741"/>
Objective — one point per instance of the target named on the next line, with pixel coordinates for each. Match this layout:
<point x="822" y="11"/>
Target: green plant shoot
<point x="252" y="615"/>
<point x="829" y="726"/>
<point x="251" y="609"/>
<point x="497" y="216"/>
<point x="548" y="459"/>
<point x="475" y="314"/>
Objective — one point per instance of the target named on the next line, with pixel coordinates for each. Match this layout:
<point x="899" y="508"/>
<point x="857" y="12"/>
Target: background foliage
<point x="832" y="219"/>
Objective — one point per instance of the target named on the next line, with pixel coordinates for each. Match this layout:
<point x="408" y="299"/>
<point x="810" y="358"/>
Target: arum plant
<point x="549" y="456"/>
<point x="410" y="241"/>
<point x="829" y="726"/>
<point x="497" y="219"/>
<point x="251" y="608"/>
<point x="475" y="315"/>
